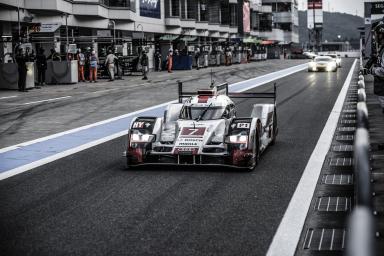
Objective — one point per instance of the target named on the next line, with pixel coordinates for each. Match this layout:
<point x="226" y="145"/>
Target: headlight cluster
<point x="238" y="139"/>
<point x="141" y="137"/>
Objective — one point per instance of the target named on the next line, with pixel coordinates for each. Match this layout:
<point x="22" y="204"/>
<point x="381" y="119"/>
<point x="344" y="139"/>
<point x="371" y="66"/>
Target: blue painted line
<point x="24" y="155"/>
<point x="18" y="157"/>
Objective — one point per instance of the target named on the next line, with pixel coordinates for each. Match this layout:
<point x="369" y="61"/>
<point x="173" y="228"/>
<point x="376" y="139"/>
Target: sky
<point x="349" y="6"/>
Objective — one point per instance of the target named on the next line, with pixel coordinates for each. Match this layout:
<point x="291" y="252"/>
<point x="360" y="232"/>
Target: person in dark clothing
<point x="158" y="59"/>
<point x="41" y="63"/>
<point x="144" y="64"/>
<point x="21" y="59"/>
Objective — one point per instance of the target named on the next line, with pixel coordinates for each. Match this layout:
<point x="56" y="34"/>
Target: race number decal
<point x="243" y="125"/>
<point x="192" y="132"/>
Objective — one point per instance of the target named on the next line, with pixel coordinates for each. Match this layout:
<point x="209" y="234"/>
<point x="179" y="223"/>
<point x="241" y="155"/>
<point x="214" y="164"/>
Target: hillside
<point x="335" y="24"/>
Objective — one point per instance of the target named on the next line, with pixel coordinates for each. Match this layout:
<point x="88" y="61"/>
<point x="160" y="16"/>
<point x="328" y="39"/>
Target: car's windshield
<point x="327" y="59"/>
<point x="332" y="56"/>
<point x="196" y="112"/>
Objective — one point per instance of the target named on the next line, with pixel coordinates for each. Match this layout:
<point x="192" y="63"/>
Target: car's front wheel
<point x="255" y="152"/>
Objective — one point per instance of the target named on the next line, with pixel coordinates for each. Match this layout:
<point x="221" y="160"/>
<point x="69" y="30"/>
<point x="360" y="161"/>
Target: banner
<point x="377" y="8"/>
<point x="150" y="8"/>
<point x="315" y="14"/>
<point x="246" y="18"/>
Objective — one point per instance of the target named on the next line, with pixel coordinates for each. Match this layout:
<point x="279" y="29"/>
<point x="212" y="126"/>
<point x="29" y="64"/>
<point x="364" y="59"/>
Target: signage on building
<point x="315" y="14"/>
<point x="72" y="48"/>
<point x="49" y="27"/>
<point x="377" y="8"/>
<point x="168" y="37"/>
<point x="103" y="33"/>
<point x="137" y="35"/>
<point x="246" y="18"/>
<point x="315" y="4"/>
<point x="150" y="8"/>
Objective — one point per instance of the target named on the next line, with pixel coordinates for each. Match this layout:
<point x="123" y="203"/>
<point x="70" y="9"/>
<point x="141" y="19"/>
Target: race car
<point x="203" y="129"/>
<point x="336" y="58"/>
<point x="322" y="63"/>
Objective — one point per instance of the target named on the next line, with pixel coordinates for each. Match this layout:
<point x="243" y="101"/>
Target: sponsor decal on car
<point x="243" y="125"/>
<point x="186" y="151"/>
<point x="140" y="125"/>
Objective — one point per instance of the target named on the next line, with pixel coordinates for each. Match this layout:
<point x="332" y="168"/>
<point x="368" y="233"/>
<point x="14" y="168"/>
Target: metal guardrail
<point x="362" y="115"/>
<point x="361" y="236"/>
<point x="361" y="240"/>
<point x="363" y="191"/>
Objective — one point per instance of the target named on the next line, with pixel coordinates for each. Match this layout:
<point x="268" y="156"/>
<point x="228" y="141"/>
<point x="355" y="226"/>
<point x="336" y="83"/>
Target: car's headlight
<point x="330" y="66"/>
<point x="141" y="137"/>
<point x="238" y="139"/>
<point x="312" y="64"/>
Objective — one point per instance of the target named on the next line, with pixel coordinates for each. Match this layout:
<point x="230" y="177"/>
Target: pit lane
<point x="88" y="204"/>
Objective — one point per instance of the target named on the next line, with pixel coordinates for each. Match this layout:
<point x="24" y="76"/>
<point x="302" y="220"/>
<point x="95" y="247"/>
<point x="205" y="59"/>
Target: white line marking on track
<point x="288" y="233"/>
<point x="48" y="100"/>
<point x="8" y="97"/>
<point x="108" y="90"/>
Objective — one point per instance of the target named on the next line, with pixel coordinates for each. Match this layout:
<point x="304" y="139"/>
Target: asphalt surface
<point x="88" y="204"/>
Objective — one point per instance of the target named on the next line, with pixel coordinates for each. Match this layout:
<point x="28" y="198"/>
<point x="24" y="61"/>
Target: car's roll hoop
<point x="222" y="89"/>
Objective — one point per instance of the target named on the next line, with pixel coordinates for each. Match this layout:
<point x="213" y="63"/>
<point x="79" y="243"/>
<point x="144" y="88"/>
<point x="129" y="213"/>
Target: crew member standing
<point x="110" y="65"/>
<point x="158" y="60"/>
<point x="197" y="57"/>
<point x="378" y="69"/>
<point x="22" y="69"/>
<point x="93" y="61"/>
<point x="144" y="65"/>
<point x="41" y="63"/>
<point x="170" y="60"/>
<point x="81" y="64"/>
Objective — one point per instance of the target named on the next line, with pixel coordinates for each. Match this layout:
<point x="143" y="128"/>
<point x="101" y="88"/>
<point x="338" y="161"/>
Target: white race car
<point x="203" y="129"/>
<point x="336" y="58"/>
<point x="322" y="63"/>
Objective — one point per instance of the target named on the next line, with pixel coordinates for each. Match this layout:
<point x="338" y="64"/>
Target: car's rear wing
<point x="258" y="95"/>
<point x="222" y="89"/>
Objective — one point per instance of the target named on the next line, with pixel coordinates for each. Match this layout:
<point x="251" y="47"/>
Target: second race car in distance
<point x="204" y="130"/>
<point x="322" y="63"/>
<point x="336" y="58"/>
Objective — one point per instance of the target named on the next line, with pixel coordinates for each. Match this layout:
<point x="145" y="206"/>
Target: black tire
<point x="274" y="135"/>
<point x="128" y="164"/>
<point x="256" y="152"/>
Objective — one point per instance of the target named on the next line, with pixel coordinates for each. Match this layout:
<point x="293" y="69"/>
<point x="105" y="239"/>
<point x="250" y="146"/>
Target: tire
<point x="256" y="152"/>
<point x="128" y="164"/>
<point x="274" y="128"/>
